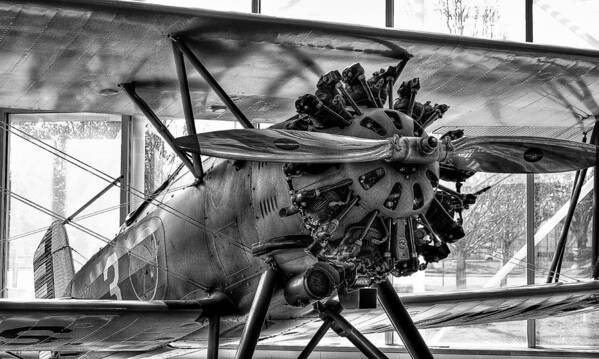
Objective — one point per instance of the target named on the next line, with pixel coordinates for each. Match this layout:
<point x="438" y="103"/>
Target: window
<point x="552" y="192"/>
<point x="491" y="19"/>
<point x="51" y="181"/>
<point x="360" y="12"/>
<point x="495" y="230"/>
<point x="221" y="5"/>
<point x="566" y="23"/>
<point x="159" y="159"/>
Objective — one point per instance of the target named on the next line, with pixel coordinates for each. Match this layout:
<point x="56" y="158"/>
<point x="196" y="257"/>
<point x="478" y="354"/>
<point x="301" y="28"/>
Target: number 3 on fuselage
<point x="113" y="262"/>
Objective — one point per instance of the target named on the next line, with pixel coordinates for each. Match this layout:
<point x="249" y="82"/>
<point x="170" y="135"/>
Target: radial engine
<point x="367" y="220"/>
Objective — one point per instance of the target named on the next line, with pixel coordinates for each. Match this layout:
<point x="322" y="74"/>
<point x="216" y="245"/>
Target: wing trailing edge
<point x="74" y="325"/>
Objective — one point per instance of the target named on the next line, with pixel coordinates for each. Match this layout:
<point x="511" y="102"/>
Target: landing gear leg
<point x="329" y="313"/>
<point x="326" y="325"/>
<point x="255" y="319"/>
<point x="213" y="336"/>
<point x="402" y="322"/>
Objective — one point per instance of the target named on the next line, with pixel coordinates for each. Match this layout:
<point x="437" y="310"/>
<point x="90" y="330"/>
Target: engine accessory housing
<point x="315" y="283"/>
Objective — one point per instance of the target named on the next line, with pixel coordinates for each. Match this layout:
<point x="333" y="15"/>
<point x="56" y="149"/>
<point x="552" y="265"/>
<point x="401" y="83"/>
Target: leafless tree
<point x="463" y="18"/>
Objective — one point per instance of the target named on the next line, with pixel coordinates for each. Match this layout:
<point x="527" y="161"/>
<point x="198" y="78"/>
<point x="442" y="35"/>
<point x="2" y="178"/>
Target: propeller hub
<point x="428" y="144"/>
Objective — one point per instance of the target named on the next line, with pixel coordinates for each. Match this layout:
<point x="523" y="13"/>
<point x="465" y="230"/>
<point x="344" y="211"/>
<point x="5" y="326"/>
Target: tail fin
<point x="53" y="263"/>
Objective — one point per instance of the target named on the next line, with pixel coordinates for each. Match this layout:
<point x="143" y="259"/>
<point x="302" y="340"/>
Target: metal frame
<point x="389" y="22"/>
<point x="528" y="20"/>
<point x="389" y="13"/>
<point x="531" y="324"/>
<point x="595" y="223"/>
<point x="256" y="6"/>
<point x="4" y="202"/>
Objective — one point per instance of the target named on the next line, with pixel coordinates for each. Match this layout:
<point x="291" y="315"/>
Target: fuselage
<point x="197" y="241"/>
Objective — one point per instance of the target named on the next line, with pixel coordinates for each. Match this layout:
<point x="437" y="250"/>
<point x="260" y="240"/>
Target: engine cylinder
<point x="315" y="283"/>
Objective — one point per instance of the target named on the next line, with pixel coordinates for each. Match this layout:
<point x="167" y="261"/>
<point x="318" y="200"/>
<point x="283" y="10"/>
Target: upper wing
<point x="69" y="56"/>
<point x="464" y="308"/>
<point x="98" y="325"/>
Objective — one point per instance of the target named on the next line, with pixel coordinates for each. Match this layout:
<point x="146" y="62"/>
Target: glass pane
<point x="221" y="5"/>
<point x="495" y="230"/>
<point x="566" y="23"/>
<point x="360" y="12"/>
<point x="51" y="181"/>
<point x="160" y="160"/>
<point x="552" y="192"/>
<point x="491" y="19"/>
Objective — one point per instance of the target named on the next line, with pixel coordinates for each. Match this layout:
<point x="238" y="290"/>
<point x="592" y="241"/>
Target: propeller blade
<point x="286" y="146"/>
<point x="504" y="154"/>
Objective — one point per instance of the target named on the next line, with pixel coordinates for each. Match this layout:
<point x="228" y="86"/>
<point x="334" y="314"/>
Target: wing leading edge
<point x="465" y="308"/>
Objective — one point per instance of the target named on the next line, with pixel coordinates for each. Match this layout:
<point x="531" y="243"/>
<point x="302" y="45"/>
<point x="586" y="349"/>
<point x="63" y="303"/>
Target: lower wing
<point x="74" y="325"/>
<point x="460" y="308"/>
<point x="116" y="326"/>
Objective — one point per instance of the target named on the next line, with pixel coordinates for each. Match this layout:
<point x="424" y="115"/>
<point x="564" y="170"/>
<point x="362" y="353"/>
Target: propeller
<point x="286" y="146"/>
<point x="500" y="154"/>
<point x="505" y="154"/>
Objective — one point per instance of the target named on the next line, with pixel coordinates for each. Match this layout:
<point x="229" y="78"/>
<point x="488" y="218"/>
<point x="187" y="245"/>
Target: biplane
<point x="293" y="230"/>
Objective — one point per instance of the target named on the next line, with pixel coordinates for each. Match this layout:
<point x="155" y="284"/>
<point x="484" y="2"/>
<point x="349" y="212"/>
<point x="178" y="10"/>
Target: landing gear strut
<point x="402" y="322"/>
<point x="213" y="336"/>
<point x="329" y="313"/>
<point x="255" y="319"/>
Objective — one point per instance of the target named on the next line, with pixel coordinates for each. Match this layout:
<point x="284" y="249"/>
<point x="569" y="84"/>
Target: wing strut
<point x="160" y="127"/>
<point x="558" y="256"/>
<point x="187" y="108"/>
<point x="180" y="44"/>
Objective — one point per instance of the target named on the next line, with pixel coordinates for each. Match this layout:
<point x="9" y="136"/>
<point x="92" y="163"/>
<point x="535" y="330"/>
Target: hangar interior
<point x="54" y="162"/>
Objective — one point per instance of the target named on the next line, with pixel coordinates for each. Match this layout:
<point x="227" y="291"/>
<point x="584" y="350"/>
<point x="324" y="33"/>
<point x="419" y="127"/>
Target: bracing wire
<point x="78" y="218"/>
<point x="100" y="237"/>
<point x="106" y="177"/>
<point x="535" y="269"/>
